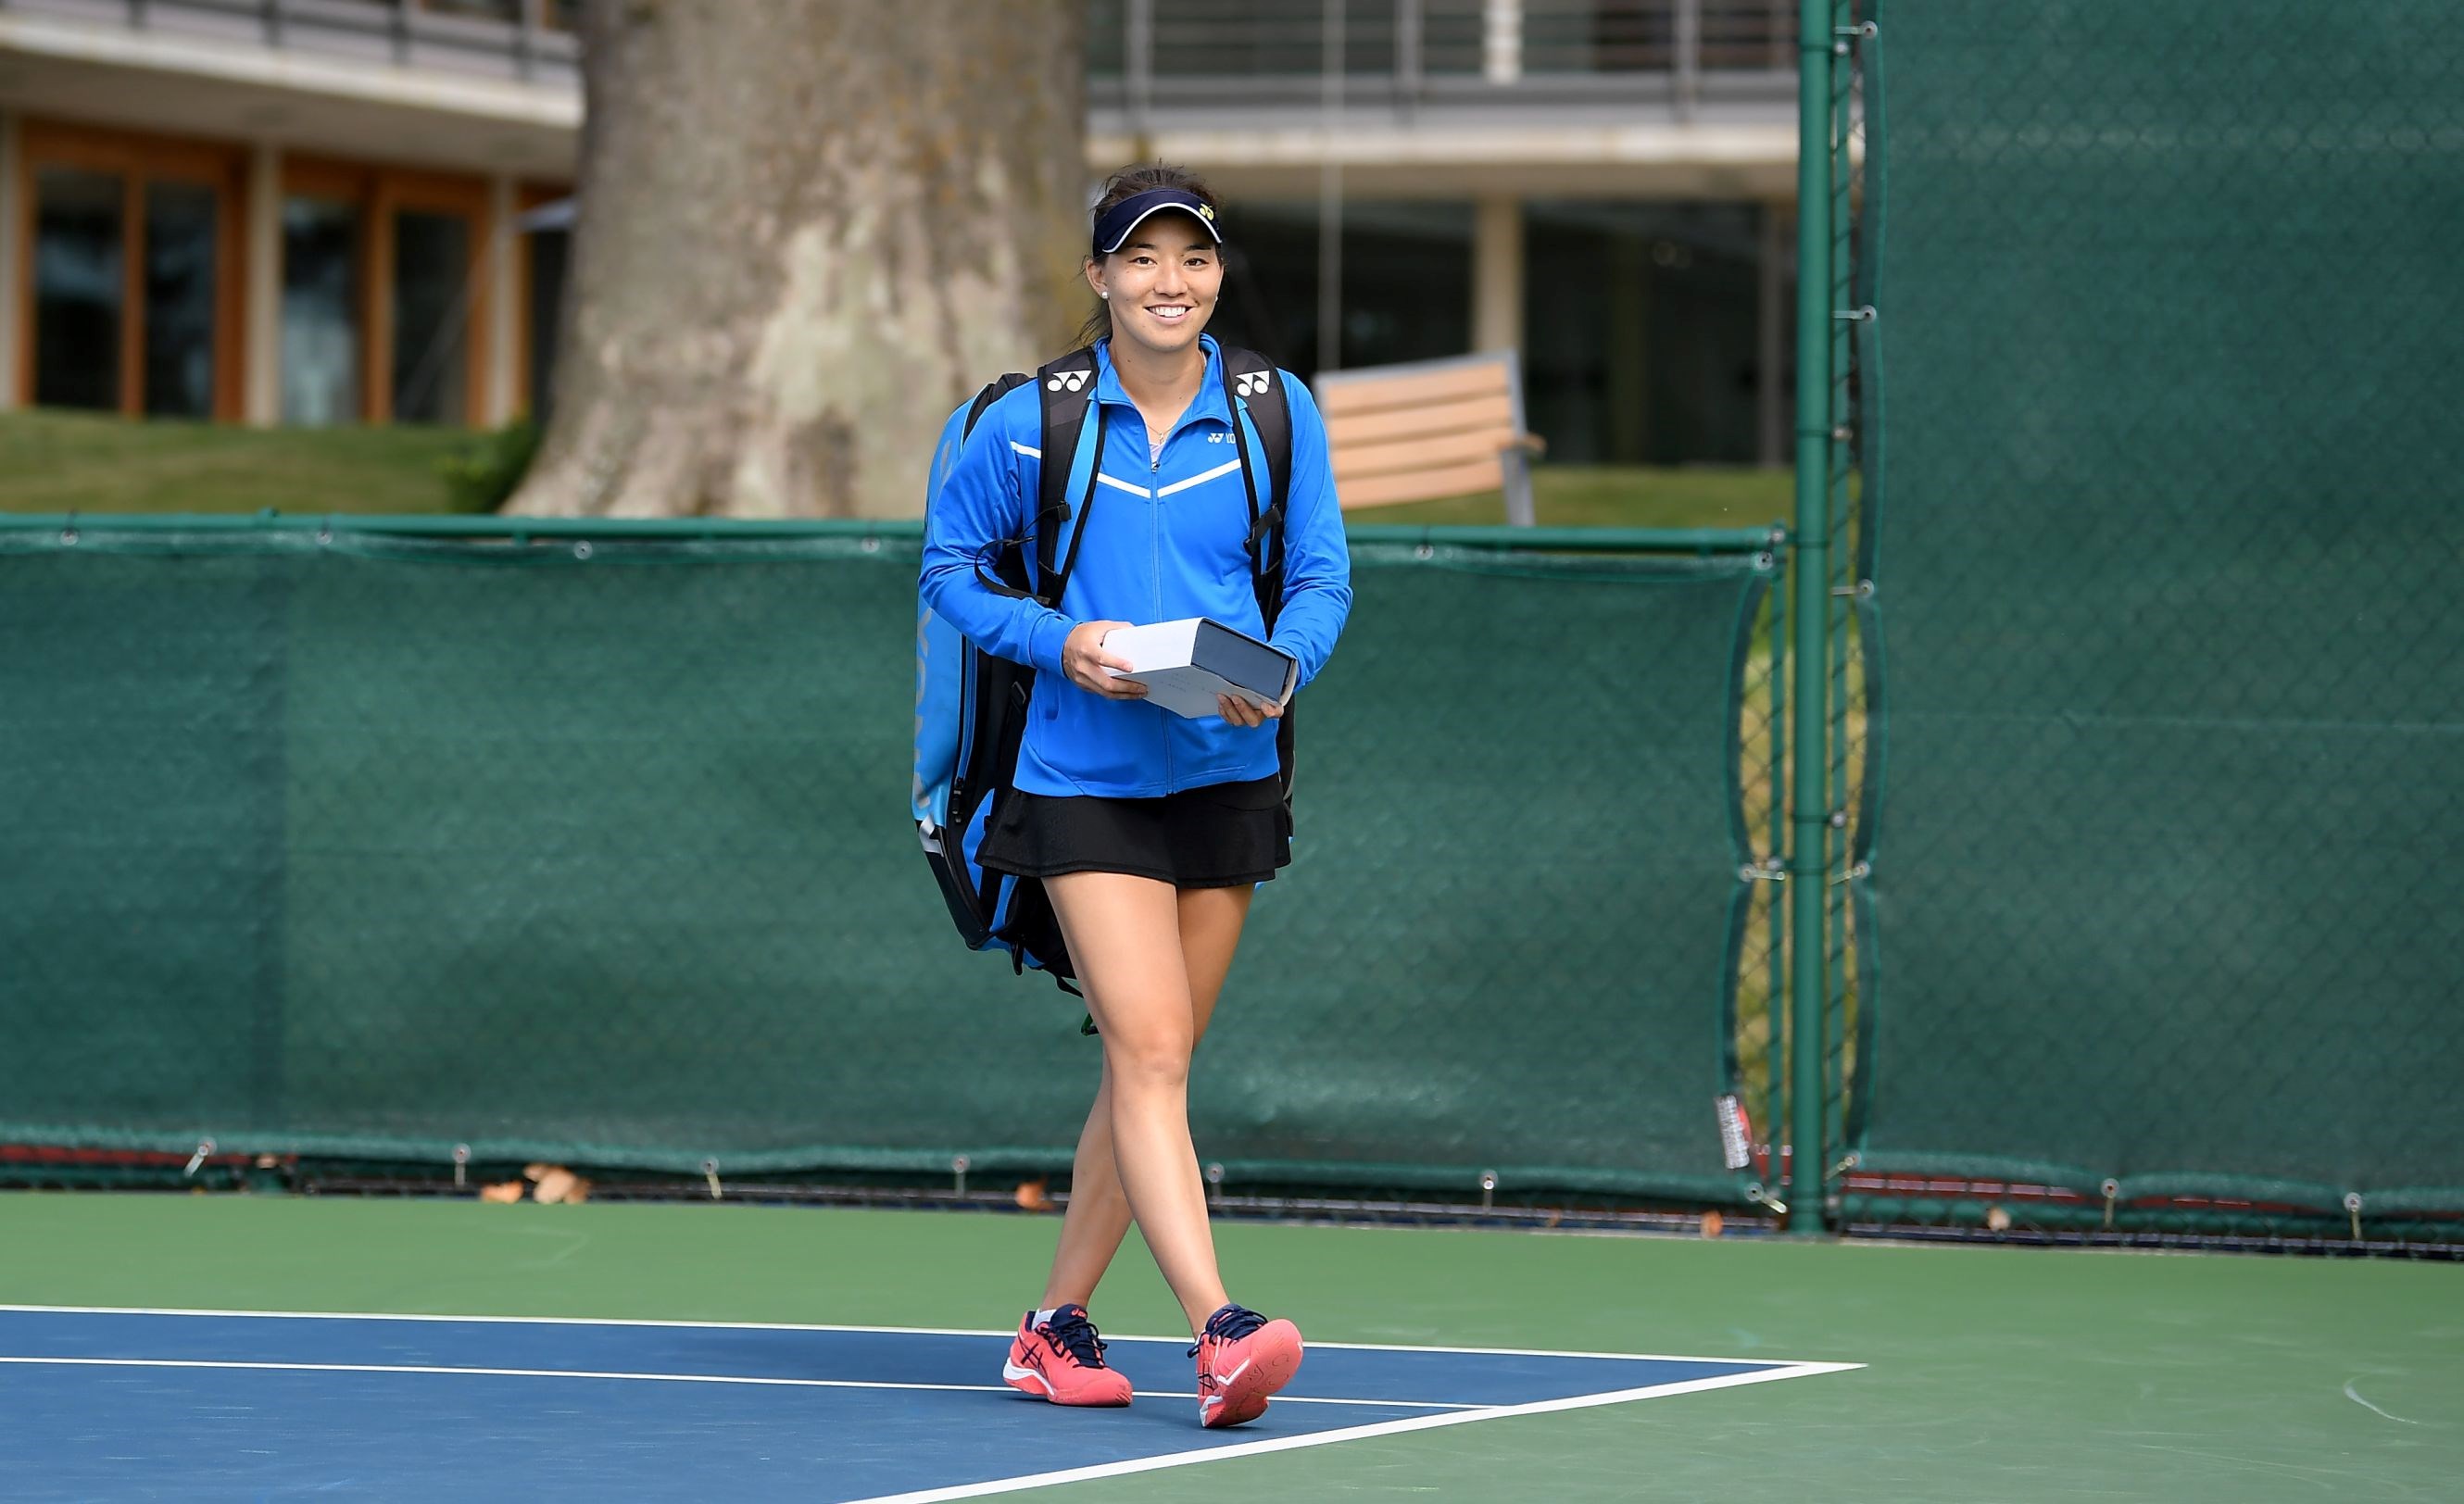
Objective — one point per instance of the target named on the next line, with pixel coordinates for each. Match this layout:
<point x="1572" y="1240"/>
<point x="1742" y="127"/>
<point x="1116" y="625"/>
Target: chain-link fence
<point x="2171" y="537"/>
<point x="594" y="848"/>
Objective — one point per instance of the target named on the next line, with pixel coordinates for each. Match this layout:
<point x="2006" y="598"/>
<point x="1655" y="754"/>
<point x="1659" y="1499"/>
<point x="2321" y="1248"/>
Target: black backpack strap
<point x="1248" y="379"/>
<point x="1252" y="384"/>
<point x="994" y="391"/>
<point x="1069" y="390"/>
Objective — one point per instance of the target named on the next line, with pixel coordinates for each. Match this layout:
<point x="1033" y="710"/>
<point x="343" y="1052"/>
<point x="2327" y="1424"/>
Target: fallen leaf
<point x="556" y="1183"/>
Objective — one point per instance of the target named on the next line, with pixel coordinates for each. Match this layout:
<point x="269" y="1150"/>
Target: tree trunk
<point x="808" y="230"/>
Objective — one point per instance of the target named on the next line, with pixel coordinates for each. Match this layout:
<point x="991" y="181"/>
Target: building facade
<point x="299" y="211"/>
<point x="318" y="211"/>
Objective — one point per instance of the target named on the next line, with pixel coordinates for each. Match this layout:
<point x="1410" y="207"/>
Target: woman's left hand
<point x="1240" y="712"/>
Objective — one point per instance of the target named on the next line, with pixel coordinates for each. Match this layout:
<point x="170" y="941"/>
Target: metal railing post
<point x="531" y="20"/>
<point x="1329" y="190"/>
<point x="1809" y="604"/>
<point x="1407" y="56"/>
<point x="1687" y="62"/>
<point x="1137" y="64"/>
<point x="1501" y="42"/>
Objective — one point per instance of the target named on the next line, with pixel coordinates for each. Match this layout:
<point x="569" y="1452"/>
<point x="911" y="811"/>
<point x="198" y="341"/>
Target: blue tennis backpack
<point x="970" y="707"/>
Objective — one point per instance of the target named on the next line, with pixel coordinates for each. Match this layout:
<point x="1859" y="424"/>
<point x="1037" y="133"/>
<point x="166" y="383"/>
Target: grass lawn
<point x="53" y="462"/>
<point x="1622" y="496"/>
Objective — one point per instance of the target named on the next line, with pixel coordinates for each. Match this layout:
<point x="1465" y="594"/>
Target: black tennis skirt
<point x="1220" y="834"/>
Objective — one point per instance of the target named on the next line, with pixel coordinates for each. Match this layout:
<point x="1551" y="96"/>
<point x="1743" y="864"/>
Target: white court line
<point x="1417" y="1423"/>
<point x="903" y="1331"/>
<point x="654" y="1378"/>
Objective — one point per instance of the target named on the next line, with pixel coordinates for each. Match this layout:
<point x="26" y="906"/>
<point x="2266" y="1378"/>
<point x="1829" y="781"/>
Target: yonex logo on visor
<point x="1115" y="226"/>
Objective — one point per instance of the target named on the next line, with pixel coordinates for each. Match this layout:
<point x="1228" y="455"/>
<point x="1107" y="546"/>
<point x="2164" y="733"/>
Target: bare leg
<point x="1125" y="934"/>
<point x="1098" y="1217"/>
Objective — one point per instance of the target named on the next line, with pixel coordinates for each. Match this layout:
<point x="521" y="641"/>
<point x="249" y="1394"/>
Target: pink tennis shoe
<point x="1242" y="1359"/>
<point x="1061" y="1359"/>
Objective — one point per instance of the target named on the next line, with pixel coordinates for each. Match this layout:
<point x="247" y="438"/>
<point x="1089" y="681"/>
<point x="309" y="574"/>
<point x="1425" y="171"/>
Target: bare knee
<point x="1149" y="1060"/>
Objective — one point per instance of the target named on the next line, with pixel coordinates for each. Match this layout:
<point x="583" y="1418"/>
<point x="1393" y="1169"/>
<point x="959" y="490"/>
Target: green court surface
<point x="1993" y="1373"/>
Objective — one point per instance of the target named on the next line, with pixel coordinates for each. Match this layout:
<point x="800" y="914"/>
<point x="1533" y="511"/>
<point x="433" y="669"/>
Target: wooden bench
<point x="1430" y="428"/>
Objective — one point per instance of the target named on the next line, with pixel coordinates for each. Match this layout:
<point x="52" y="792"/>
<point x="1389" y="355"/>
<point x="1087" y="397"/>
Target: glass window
<point x="1270" y="39"/>
<point x="509" y="12"/>
<point x="431" y="272"/>
<point x="1406" y="282"/>
<point x="320" y="326"/>
<point x="549" y="249"/>
<point x="180" y="233"/>
<point x="1640" y="332"/>
<point x="80" y="282"/>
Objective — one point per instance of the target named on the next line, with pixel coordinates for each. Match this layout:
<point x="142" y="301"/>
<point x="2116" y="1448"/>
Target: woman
<point x="1149" y="831"/>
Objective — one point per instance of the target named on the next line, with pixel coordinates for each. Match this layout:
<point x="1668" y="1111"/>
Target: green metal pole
<point x="1810" y="607"/>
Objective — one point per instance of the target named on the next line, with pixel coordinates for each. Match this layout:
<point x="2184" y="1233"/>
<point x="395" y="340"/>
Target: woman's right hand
<point x="1083" y="660"/>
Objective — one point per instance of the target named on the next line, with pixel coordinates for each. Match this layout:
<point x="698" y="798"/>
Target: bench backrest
<point x="1426" y="429"/>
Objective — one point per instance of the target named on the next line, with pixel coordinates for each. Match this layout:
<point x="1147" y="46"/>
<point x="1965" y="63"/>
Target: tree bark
<point x="807" y="231"/>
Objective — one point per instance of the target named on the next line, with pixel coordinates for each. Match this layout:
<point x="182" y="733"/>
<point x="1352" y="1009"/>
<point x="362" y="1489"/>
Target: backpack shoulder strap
<point x="994" y="391"/>
<point x="1249" y="381"/>
<point x="1068" y="389"/>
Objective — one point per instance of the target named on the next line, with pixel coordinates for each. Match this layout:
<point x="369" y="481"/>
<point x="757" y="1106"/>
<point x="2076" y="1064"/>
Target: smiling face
<point x="1160" y="286"/>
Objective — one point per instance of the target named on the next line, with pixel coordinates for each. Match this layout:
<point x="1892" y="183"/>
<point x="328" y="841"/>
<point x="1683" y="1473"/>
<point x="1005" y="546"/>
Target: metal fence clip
<point x="1764" y="1198"/>
<point x="710" y="1173"/>
<point x="2111" y="1188"/>
<point x="461" y="1158"/>
<point x="1855" y="316"/>
<point x="959" y="1172"/>
<point x="2353" y="1210"/>
<point x="205" y="1146"/>
<point x="1487" y="1188"/>
<point x="1855" y="874"/>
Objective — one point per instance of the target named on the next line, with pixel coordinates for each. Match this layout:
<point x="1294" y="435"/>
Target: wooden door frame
<point x="378" y="192"/>
<point x="466" y="199"/>
<point x="137" y="159"/>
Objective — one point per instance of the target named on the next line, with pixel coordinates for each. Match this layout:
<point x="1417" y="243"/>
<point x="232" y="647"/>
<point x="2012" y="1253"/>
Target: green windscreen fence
<point x="2160" y="427"/>
<point x="599" y="850"/>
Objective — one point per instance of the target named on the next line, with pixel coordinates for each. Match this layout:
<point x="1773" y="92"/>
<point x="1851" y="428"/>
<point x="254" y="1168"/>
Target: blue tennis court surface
<point x="248" y="1406"/>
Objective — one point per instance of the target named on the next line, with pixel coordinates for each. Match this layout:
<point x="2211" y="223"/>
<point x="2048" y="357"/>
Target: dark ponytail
<point x="1122" y="184"/>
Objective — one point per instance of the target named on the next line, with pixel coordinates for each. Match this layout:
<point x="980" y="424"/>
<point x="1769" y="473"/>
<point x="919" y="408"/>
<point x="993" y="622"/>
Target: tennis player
<point x="1149" y="831"/>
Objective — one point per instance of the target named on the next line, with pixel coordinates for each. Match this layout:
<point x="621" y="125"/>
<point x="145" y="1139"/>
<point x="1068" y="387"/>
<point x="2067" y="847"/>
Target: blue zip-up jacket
<point x="1163" y="540"/>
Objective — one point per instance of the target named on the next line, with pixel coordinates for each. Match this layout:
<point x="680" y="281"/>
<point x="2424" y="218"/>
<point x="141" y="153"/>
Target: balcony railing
<point x="1150" y="55"/>
<point x="526" y="39"/>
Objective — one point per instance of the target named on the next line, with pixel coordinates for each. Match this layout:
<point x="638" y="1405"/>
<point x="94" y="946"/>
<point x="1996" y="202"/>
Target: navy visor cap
<point x="1114" y="227"/>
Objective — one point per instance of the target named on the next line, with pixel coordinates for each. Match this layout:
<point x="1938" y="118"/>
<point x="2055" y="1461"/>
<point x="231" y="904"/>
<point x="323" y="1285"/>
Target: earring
<point x="1106" y="293"/>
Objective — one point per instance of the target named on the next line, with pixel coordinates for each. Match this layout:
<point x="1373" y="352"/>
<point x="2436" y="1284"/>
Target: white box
<point x="1187" y="664"/>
